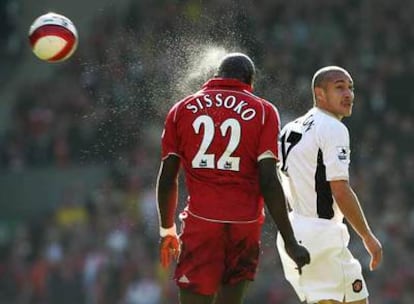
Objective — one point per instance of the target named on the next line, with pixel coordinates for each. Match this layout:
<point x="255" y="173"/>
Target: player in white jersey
<point x="315" y="156"/>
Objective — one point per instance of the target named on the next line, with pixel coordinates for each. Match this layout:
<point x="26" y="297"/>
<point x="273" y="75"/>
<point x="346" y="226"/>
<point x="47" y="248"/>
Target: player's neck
<point x="339" y="117"/>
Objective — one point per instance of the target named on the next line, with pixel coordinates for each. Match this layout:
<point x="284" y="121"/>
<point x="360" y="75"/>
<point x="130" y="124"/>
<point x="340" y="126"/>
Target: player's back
<point x="221" y="130"/>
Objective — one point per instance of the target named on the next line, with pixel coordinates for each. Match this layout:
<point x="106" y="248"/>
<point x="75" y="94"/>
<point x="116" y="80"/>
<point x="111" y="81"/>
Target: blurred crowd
<point x="107" y="104"/>
<point x="10" y="43"/>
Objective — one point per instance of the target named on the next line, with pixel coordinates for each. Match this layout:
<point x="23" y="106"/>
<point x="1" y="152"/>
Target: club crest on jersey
<point x="342" y="153"/>
<point x="357" y="286"/>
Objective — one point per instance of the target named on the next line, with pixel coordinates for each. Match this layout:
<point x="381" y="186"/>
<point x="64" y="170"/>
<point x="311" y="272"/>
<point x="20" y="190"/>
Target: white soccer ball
<point x="53" y="37"/>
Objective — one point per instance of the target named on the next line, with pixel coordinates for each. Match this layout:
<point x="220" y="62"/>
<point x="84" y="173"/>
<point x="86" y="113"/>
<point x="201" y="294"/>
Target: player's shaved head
<point x="237" y="66"/>
<point x="326" y="74"/>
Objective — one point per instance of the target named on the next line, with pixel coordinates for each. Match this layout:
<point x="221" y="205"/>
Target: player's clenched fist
<point x="169" y="245"/>
<point x="299" y="254"/>
<point x="169" y="250"/>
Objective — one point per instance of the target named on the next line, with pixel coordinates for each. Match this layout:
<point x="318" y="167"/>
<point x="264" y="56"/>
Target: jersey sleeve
<point x="335" y="150"/>
<point x="169" y="137"/>
<point x="268" y="147"/>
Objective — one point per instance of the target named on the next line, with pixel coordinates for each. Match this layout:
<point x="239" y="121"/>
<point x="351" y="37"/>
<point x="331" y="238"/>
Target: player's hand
<point x="299" y="254"/>
<point x="374" y="249"/>
<point x="169" y="250"/>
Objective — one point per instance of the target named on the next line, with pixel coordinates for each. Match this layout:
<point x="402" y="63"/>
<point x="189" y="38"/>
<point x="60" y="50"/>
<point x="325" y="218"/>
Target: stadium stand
<point x="96" y="241"/>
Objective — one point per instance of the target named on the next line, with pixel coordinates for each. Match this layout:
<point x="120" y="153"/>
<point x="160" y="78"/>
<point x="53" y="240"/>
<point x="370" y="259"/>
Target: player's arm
<point x="349" y="204"/>
<point x="167" y="194"/>
<point x="167" y="190"/>
<point x="275" y="202"/>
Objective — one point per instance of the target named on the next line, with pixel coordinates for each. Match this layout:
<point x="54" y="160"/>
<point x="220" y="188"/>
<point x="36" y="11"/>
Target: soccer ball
<point x="53" y="37"/>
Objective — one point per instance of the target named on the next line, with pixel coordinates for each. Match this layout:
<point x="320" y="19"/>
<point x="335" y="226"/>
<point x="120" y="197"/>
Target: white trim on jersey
<point x="221" y="221"/>
<point x="277" y="113"/>
<point x="263" y="114"/>
<point x="171" y="153"/>
<point x="266" y="154"/>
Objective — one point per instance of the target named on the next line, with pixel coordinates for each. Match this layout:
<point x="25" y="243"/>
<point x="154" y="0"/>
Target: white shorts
<point x="333" y="272"/>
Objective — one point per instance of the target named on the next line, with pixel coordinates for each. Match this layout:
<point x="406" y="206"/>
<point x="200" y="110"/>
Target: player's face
<point x="337" y="96"/>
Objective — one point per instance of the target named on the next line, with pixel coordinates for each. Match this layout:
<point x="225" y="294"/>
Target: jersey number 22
<point x="226" y="161"/>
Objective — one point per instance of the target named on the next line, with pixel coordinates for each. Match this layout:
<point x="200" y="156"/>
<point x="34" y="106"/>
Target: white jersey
<point x="313" y="150"/>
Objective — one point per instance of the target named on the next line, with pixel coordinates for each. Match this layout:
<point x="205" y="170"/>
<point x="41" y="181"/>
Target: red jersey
<point x="220" y="133"/>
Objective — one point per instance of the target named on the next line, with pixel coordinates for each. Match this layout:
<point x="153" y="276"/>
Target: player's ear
<point x="319" y="93"/>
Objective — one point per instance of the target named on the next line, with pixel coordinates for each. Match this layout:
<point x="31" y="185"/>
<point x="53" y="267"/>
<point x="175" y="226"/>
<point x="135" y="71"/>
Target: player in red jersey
<point x="225" y="138"/>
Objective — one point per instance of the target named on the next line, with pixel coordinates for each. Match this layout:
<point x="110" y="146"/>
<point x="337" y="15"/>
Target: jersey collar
<point x="227" y="83"/>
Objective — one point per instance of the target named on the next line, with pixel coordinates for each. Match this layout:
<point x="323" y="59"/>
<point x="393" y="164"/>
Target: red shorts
<point x="214" y="254"/>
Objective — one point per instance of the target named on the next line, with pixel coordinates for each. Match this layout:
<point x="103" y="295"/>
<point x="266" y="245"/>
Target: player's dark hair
<point x="237" y="66"/>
